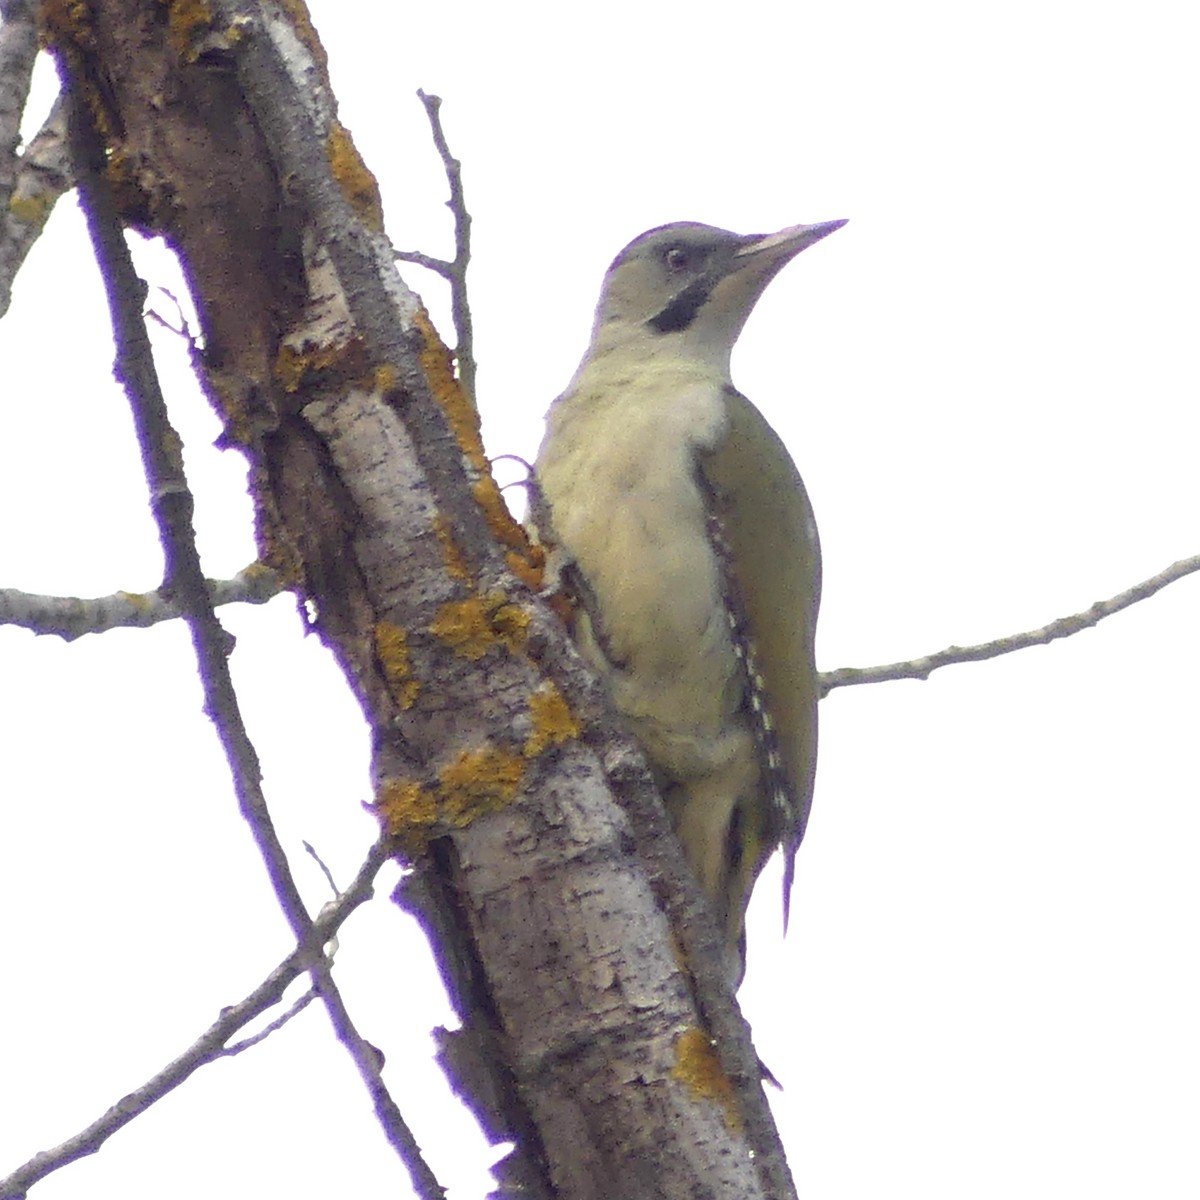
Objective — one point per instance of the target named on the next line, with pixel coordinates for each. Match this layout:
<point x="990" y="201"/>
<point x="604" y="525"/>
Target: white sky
<point x="989" y="382"/>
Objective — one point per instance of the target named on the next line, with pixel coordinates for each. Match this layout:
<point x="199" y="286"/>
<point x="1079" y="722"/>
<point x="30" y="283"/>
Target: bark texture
<point x="598" y="1032"/>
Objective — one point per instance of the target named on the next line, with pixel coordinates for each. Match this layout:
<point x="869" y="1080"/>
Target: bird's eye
<point x="677" y="258"/>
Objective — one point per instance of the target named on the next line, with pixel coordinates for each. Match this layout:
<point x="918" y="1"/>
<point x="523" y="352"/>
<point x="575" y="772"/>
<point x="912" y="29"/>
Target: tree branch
<point x="210" y="1045"/>
<point x="453" y="271"/>
<point x="18" y="49"/>
<point x="922" y="668"/>
<point x="32" y="182"/>
<point x="171" y="503"/>
<point x="70" y="617"/>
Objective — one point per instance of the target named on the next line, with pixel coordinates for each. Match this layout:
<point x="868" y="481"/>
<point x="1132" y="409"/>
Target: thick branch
<point x="70" y="617"/>
<point x="18" y="49"/>
<point x="32" y="182"/>
<point x="43" y="174"/>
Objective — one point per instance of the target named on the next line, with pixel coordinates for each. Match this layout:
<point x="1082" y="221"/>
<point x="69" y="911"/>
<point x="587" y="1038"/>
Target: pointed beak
<point x="779" y="248"/>
<point x="744" y="276"/>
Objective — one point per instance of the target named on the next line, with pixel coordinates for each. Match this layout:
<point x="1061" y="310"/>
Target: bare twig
<point x="70" y="617"/>
<point x="210" y="1045"/>
<point x="171" y="504"/>
<point x="312" y="853"/>
<point x="294" y="1010"/>
<point x="453" y="271"/>
<point x="921" y="668"/>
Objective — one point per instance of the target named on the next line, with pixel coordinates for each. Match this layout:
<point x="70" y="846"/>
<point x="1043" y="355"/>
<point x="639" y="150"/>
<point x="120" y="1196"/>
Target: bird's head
<point x="686" y="289"/>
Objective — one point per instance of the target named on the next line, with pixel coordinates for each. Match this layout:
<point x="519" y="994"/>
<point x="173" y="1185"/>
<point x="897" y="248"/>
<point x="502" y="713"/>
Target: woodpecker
<point x="692" y="552"/>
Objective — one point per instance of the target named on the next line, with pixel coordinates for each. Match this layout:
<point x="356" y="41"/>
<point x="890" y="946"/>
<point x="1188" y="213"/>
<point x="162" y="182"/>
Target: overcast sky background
<point x="989" y="382"/>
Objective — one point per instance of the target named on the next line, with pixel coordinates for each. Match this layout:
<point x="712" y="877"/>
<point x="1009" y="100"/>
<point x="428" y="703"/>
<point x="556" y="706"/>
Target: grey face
<point x="678" y="266"/>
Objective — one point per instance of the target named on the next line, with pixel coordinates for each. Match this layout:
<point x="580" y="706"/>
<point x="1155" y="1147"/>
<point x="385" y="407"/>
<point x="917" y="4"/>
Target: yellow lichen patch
<point x="500" y="521"/>
<point x="33" y="210"/>
<point x="527" y="569"/>
<point x="295" y="363"/>
<point x="186" y="21"/>
<point x="471" y="627"/>
<point x="553" y="721"/>
<point x="391" y="648"/>
<point x="386" y="379"/>
<point x="452" y="553"/>
<point x="699" y="1069"/>
<point x="479" y="782"/>
<point x="438" y="366"/>
<point x="358" y="185"/>
<point x="510" y="621"/>
<point x="138" y="601"/>
<point x="406" y="811"/>
<point x="463" y="625"/>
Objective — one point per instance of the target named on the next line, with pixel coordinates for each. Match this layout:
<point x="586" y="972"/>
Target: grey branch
<point x="43" y="174"/>
<point x="210" y="1045"/>
<point x="455" y="270"/>
<point x="922" y="668"/>
<point x="18" y="49"/>
<point x="171" y="503"/>
<point x="32" y="182"/>
<point x="70" y="617"/>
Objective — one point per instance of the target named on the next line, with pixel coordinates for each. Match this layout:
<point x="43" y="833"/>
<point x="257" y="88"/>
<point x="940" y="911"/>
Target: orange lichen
<point x="296" y="364"/>
<point x="500" y="521"/>
<point x="553" y="721"/>
<point x="138" y="601"/>
<point x="407" y="811"/>
<point x="391" y="649"/>
<point x="527" y="569"/>
<point x="479" y="782"/>
<point x="386" y="379"/>
<point x="444" y="385"/>
<point x="510" y="621"/>
<point x="34" y="209"/>
<point x="358" y="185"/>
<point x="699" y="1069"/>
<point x="456" y="563"/>
<point x="472" y="626"/>
<point x="476" y="783"/>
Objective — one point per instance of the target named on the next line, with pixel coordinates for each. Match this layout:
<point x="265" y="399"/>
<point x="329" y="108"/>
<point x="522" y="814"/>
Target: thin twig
<point x="311" y="852"/>
<point x="171" y="504"/>
<point x="294" y="1010"/>
<point x="453" y="271"/>
<point x="209" y="1046"/>
<point x="921" y="668"/>
<point x="70" y="617"/>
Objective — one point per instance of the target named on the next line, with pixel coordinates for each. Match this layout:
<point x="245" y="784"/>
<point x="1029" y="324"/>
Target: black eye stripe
<point x="681" y="312"/>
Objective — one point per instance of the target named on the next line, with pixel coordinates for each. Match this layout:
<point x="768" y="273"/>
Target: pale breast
<point x="618" y="472"/>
